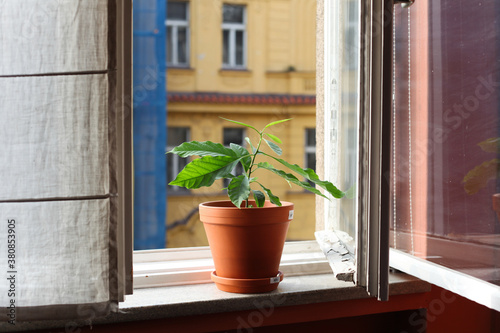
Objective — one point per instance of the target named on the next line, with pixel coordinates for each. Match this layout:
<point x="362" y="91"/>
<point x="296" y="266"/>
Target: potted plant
<point x="246" y="236"/>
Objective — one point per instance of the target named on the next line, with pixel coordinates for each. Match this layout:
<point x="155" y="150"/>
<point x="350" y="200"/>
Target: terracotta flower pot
<point x="246" y="244"/>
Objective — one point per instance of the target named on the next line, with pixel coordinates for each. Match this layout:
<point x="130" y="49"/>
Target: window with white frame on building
<point x="177" y="34"/>
<point x="310" y="150"/>
<point x="175" y="163"/>
<point x="233" y="36"/>
<point x="236" y="136"/>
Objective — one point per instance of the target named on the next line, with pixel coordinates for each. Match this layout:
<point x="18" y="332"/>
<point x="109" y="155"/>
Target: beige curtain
<point x="58" y="187"/>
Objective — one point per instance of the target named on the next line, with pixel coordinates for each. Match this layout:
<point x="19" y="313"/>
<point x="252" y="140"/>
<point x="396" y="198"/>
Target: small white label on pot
<point x="275" y="279"/>
<point x="290" y="215"/>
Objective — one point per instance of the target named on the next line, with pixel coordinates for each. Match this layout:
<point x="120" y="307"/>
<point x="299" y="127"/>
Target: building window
<point x="177" y="34"/>
<point x="234" y="36"/>
<point x="310" y="149"/>
<point x="176" y="136"/>
<point x="236" y="136"/>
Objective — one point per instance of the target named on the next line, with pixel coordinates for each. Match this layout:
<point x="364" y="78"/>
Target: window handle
<point x="404" y="3"/>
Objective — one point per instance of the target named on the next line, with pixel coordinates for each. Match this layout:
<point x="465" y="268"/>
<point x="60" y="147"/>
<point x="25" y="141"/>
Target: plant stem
<point x="253" y="159"/>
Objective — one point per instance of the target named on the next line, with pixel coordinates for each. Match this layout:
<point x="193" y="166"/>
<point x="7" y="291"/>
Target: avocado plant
<point x="218" y="162"/>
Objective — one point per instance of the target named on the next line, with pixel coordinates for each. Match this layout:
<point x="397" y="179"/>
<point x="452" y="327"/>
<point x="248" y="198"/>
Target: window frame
<point x="175" y="25"/>
<point x="371" y="251"/>
<point x="232" y="28"/>
<point x="376" y="45"/>
<point x="371" y="230"/>
<point x="470" y="287"/>
<point x="124" y="143"/>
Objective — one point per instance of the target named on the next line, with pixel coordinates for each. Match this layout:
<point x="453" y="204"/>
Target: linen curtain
<point x="58" y="184"/>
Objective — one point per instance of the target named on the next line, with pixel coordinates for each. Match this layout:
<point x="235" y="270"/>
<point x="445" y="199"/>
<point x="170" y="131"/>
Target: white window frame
<point x="370" y="248"/>
<point x="187" y="266"/>
<point x="175" y="25"/>
<point x="233" y="28"/>
<point x="468" y="286"/>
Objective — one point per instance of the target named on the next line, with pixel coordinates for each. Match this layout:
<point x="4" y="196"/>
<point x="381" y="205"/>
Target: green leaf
<point x="251" y="145"/>
<point x="274" y="138"/>
<point x="242" y="124"/>
<point x="277" y="122"/>
<point x="204" y="171"/>
<point x="291" y="178"/>
<point x="238" y="190"/>
<point x="274" y="199"/>
<point x="206" y="148"/>
<point x="309" y="174"/>
<point x="246" y="159"/>
<point x="274" y="147"/>
<point x="259" y="197"/>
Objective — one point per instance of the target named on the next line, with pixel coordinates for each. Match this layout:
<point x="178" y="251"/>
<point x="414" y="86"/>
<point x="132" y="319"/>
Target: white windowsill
<point x="176" y="282"/>
<point x="171" y="267"/>
<point x="199" y="299"/>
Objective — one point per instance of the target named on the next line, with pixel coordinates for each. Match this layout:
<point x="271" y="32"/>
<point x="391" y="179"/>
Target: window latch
<point x="404" y="3"/>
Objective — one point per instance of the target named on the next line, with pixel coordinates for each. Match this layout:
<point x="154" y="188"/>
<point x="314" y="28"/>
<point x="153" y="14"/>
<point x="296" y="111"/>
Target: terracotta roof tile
<point x="222" y="98"/>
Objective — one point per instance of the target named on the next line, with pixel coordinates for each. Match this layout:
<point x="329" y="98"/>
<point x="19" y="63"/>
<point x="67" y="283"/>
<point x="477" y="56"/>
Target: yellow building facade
<point x="251" y="61"/>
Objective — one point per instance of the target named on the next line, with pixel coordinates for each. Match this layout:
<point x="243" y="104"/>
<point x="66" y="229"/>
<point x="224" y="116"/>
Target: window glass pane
<point x="233" y="14"/>
<point x="239" y="47"/>
<point x="311" y="137"/>
<point x="237" y="136"/>
<point x="342" y="128"/>
<point x="177" y="10"/>
<point x="352" y="30"/>
<point x="182" y="45"/>
<point x="225" y="47"/>
<point x="175" y="136"/>
<point x="310" y="150"/>
<point x="234" y="135"/>
<point x="311" y="161"/>
<point x="445" y="141"/>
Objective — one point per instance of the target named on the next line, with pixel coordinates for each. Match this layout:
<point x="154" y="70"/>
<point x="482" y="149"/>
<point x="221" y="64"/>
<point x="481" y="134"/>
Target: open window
<point x="348" y="131"/>
<point x="444" y="138"/>
<point x="355" y="94"/>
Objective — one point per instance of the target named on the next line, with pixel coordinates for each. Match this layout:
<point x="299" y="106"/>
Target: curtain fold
<point x="58" y="184"/>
